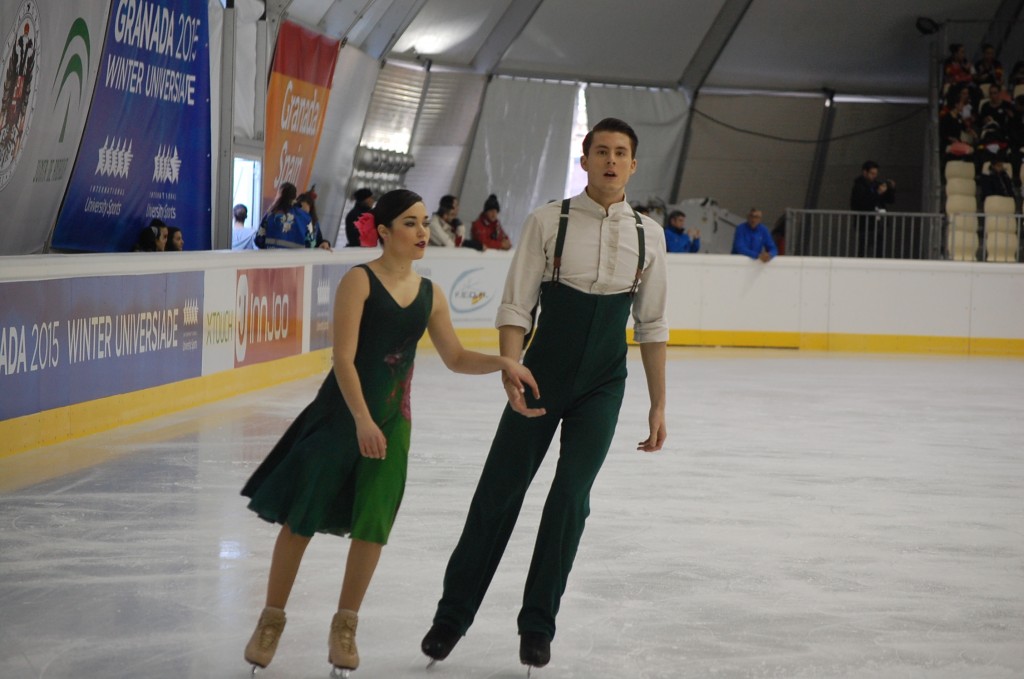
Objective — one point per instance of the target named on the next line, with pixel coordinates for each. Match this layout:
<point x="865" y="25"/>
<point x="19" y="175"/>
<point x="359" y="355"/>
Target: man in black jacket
<point x="870" y="195"/>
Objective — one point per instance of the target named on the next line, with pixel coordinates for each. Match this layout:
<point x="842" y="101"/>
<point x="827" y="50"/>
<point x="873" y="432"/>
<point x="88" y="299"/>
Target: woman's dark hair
<point x="171" y="230"/>
<point x="286" y="194"/>
<point x="147" y="239"/>
<point x="392" y="204"/>
<point x="309" y="197"/>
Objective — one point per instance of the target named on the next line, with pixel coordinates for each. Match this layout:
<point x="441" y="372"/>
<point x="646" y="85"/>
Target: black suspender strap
<point x="640" y="247"/>
<point x="563" y="223"/>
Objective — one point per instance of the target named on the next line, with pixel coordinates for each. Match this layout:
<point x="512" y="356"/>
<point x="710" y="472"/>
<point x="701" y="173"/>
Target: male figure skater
<point x="588" y="261"/>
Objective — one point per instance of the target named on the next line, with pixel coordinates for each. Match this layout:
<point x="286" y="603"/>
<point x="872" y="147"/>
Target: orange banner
<point x="297" y="95"/>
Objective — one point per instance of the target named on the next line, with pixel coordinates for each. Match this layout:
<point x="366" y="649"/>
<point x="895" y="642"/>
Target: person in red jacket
<point x="487" y="229"/>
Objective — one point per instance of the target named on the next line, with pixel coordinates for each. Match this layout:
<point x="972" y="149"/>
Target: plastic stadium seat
<point x="961" y="187"/>
<point x="1002" y="236"/>
<point x="962" y="237"/>
<point x="959" y="169"/>
<point x="960" y="203"/>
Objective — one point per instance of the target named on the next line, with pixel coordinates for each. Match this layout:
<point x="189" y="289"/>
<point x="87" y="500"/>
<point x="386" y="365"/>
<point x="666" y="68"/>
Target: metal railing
<point x="890" y="235"/>
<point x="905" y="235"/>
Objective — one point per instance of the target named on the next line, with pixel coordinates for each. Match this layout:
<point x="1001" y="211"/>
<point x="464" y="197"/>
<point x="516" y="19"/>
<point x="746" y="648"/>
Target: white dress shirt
<point x="599" y="257"/>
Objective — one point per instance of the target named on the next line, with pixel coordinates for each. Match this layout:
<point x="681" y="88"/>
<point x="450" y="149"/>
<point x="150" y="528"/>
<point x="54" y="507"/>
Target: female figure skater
<point x="341" y="466"/>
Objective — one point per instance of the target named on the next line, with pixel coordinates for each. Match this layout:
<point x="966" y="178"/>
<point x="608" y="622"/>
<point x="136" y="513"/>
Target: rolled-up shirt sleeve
<point x="522" y="287"/>
<point x="649" y="321"/>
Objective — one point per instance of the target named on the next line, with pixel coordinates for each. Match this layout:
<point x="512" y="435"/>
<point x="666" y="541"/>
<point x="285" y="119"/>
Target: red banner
<point x="300" y="85"/>
<point x="268" y="315"/>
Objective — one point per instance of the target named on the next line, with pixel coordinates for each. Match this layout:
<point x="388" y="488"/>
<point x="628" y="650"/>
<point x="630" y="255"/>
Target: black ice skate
<point x="534" y="650"/>
<point x="439" y="642"/>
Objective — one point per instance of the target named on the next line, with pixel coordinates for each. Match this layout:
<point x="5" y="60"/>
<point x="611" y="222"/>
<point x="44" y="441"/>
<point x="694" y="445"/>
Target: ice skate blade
<point x="433" y="661"/>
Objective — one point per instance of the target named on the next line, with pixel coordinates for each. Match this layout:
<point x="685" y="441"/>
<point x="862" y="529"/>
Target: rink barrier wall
<point x="131" y="337"/>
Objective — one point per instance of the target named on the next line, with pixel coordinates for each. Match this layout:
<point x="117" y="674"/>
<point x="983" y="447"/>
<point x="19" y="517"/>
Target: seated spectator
<point x="442" y="231"/>
<point x="242" y="236"/>
<point x="1016" y="77"/>
<point x="153" y="238"/>
<point x="987" y="69"/>
<point x="175" y="241"/>
<point x="284" y="226"/>
<point x="676" y="238"/>
<point x="487" y="229"/>
<point x="957" y="68"/>
<point x="997" y="106"/>
<point x="364" y="203"/>
<point x="753" y="239"/>
<point x="996" y="182"/>
<point x="314" y="238"/>
<point x="958" y="138"/>
<point x="447" y="230"/>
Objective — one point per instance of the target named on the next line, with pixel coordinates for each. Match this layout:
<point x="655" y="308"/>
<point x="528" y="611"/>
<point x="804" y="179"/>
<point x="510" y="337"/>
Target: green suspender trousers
<point x="578" y="354"/>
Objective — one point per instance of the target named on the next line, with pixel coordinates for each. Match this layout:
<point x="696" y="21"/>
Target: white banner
<point x="49" y="58"/>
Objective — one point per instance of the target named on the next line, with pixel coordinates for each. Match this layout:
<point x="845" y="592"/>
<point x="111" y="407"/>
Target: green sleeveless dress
<point x="315" y="480"/>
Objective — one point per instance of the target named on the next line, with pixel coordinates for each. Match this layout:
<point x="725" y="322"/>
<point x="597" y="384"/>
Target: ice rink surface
<point x="812" y="515"/>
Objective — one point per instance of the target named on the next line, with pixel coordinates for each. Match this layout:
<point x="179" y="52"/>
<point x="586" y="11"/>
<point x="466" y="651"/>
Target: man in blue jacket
<point x="753" y="239"/>
<point x="676" y="238"/>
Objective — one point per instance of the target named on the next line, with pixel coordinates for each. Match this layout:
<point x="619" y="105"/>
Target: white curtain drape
<point x="355" y="75"/>
<point x="521" y="150"/>
<point x="247" y="14"/>
<point x="659" y="119"/>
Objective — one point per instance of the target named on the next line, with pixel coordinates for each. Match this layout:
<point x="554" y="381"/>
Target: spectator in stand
<point x="283" y="226"/>
<point x="242" y="236"/>
<point x="1016" y="77"/>
<point x="996" y="182"/>
<point x="997" y="106"/>
<point x="987" y="69"/>
<point x="447" y="230"/>
<point x="153" y="238"/>
<point x="175" y="241"/>
<point x="957" y="136"/>
<point x="364" y="203"/>
<point x="957" y="67"/>
<point x="314" y="238"/>
<point x="676" y="238"/>
<point x="1015" y="135"/>
<point x="487" y="228"/>
<point x="870" y="194"/>
<point x="442" y="231"/>
<point x="753" y="239"/>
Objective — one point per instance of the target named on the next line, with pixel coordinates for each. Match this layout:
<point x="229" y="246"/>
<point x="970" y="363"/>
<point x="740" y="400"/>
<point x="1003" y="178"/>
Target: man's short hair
<point x="868" y="165"/>
<point x="362" y="194"/>
<point x="675" y="213"/>
<point x="446" y="203"/>
<point x="611" y="125"/>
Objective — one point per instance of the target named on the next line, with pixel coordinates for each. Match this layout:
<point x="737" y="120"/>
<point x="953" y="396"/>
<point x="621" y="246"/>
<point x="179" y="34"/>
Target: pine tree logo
<point x="166" y="165"/>
<point x="115" y="158"/>
<point x="19" y="67"/>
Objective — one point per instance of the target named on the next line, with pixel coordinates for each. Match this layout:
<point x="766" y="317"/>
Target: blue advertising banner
<point x="67" y="341"/>
<point x="145" y="153"/>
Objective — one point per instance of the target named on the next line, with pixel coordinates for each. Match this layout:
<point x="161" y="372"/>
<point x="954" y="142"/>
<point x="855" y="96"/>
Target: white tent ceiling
<point x="801" y="45"/>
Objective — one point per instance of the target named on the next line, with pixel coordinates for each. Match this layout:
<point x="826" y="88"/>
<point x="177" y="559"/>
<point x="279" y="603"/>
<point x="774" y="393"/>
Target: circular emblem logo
<point x="19" y="68"/>
<point x="241" y="315"/>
